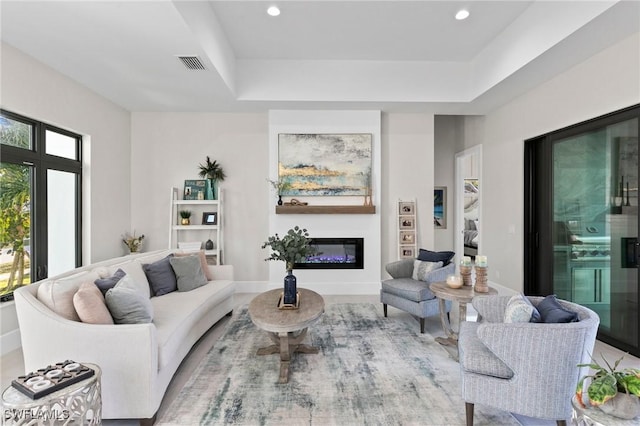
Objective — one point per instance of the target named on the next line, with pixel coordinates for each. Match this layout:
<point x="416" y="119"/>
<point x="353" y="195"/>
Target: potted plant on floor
<point x="292" y="248"/>
<point x="614" y="391"/>
<point x="213" y="172"/>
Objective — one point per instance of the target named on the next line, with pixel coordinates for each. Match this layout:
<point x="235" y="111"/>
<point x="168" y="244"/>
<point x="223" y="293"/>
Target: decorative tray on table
<point x="52" y="378"/>
<point x="283" y="306"/>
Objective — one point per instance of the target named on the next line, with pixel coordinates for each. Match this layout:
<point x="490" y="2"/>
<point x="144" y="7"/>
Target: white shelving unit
<point x="197" y="231"/>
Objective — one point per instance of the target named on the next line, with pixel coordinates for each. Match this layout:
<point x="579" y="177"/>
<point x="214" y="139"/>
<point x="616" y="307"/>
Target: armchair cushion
<point x="475" y="357"/>
<point x="422" y="269"/>
<point x="408" y="288"/>
<point x="436" y="256"/>
<point x="552" y="312"/>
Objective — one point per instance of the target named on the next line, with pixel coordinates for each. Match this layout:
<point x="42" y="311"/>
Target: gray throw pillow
<point x="189" y="274"/>
<point x="127" y="305"/>
<point x="104" y="284"/>
<point x="161" y="277"/>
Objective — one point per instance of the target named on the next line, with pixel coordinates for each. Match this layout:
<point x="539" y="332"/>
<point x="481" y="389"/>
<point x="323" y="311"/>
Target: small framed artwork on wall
<point x="407" y="252"/>
<point x="407" y="222"/>
<point x="440" y="207"/>
<point x="407" y="237"/>
<point x="406" y="208"/>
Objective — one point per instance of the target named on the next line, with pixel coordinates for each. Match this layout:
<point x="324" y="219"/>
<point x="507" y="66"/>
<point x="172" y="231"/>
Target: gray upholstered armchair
<point x="524" y="368"/>
<point x="413" y="296"/>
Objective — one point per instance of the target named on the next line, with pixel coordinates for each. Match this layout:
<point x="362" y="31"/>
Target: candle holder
<point x="481" y="285"/>
<point x="465" y="271"/>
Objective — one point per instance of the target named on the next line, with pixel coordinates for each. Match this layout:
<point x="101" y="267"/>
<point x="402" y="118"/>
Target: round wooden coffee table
<point x="286" y="327"/>
<point x="462" y="295"/>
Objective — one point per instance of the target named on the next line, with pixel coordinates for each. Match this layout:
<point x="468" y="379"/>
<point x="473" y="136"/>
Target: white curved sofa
<point x="137" y="360"/>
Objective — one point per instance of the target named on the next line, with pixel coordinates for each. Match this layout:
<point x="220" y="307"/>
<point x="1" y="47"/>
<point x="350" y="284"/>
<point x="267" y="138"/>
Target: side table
<point x="80" y="403"/>
<point x="462" y="295"/>
<point x="592" y="416"/>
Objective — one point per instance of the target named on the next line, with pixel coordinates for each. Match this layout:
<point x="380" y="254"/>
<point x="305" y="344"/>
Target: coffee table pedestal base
<point x="286" y="344"/>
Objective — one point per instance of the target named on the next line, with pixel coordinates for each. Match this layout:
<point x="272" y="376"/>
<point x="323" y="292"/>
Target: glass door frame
<point x="538" y="208"/>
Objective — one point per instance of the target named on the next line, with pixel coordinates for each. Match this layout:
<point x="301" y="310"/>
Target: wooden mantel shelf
<point x="325" y="209"/>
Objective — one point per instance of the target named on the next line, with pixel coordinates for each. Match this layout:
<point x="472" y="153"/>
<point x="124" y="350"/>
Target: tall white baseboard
<point x="10" y="342"/>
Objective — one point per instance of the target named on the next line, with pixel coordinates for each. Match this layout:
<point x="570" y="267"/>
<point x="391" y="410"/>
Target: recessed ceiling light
<point x="273" y="11"/>
<point x="462" y="14"/>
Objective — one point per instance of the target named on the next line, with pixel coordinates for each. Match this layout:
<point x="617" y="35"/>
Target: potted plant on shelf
<point x="614" y="391"/>
<point x="213" y="172"/>
<point x="292" y="248"/>
<point x="185" y="216"/>
<point x="280" y="186"/>
<point x="132" y="242"/>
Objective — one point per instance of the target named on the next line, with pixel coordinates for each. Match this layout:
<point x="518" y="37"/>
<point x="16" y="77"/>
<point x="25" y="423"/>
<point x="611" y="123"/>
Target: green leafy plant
<point x="293" y="247"/>
<point x="607" y="381"/>
<point x="185" y="214"/>
<point x="211" y="170"/>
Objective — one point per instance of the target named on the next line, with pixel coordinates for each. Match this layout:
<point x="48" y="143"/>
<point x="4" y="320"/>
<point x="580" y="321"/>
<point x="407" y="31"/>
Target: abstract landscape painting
<point x="325" y="164"/>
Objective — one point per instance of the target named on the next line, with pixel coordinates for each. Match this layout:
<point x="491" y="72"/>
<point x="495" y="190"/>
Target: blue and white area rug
<point x="370" y="370"/>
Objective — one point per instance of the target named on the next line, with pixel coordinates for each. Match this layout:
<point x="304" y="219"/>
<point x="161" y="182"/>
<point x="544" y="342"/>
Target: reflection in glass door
<point x="595" y="225"/>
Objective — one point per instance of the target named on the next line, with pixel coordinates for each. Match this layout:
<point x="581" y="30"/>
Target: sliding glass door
<point x="582" y="216"/>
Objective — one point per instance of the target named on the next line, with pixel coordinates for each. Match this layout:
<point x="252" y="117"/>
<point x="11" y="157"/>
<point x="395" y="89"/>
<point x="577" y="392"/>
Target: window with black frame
<point x="40" y="201"/>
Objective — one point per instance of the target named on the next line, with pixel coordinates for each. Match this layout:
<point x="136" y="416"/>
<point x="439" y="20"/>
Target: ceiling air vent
<point x="192" y="62"/>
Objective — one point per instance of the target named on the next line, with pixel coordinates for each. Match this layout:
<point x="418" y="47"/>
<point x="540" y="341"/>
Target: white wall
<point x="39" y="92"/>
<point x="604" y="83"/>
<point x="167" y="149"/>
<point x="367" y="226"/>
<point x="407" y="173"/>
<point x="448" y="135"/>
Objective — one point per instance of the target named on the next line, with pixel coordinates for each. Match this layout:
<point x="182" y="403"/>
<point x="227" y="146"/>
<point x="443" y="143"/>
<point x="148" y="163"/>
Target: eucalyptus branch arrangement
<point x="293" y="247"/>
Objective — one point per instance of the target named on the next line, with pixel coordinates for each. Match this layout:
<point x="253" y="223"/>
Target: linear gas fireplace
<point x="335" y="253"/>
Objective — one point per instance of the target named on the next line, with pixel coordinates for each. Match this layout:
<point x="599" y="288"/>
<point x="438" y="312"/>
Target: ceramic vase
<point x="623" y="406"/>
<point x="279" y="200"/>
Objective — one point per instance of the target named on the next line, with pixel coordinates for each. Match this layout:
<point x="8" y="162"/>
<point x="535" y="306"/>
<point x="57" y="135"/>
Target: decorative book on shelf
<point x="52" y="378"/>
<point x="195" y="189"/>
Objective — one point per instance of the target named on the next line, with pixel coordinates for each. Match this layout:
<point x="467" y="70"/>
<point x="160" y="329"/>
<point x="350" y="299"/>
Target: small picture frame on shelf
<point x="407" y="237"/>
<point x="210" y="218"/>
<point x="407" y="252"/>
<point x="406" y="207"/>
<point x="194" y="189"/>
<point x="407" y="222"/>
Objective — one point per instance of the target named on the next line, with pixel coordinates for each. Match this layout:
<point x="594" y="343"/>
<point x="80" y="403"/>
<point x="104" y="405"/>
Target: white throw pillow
<point x="57" y="295"/>
<point x="422" y="269"/>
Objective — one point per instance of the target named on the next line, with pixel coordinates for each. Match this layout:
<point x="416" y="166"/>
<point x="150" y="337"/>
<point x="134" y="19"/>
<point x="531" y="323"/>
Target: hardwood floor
<point x="12" y="364"/>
